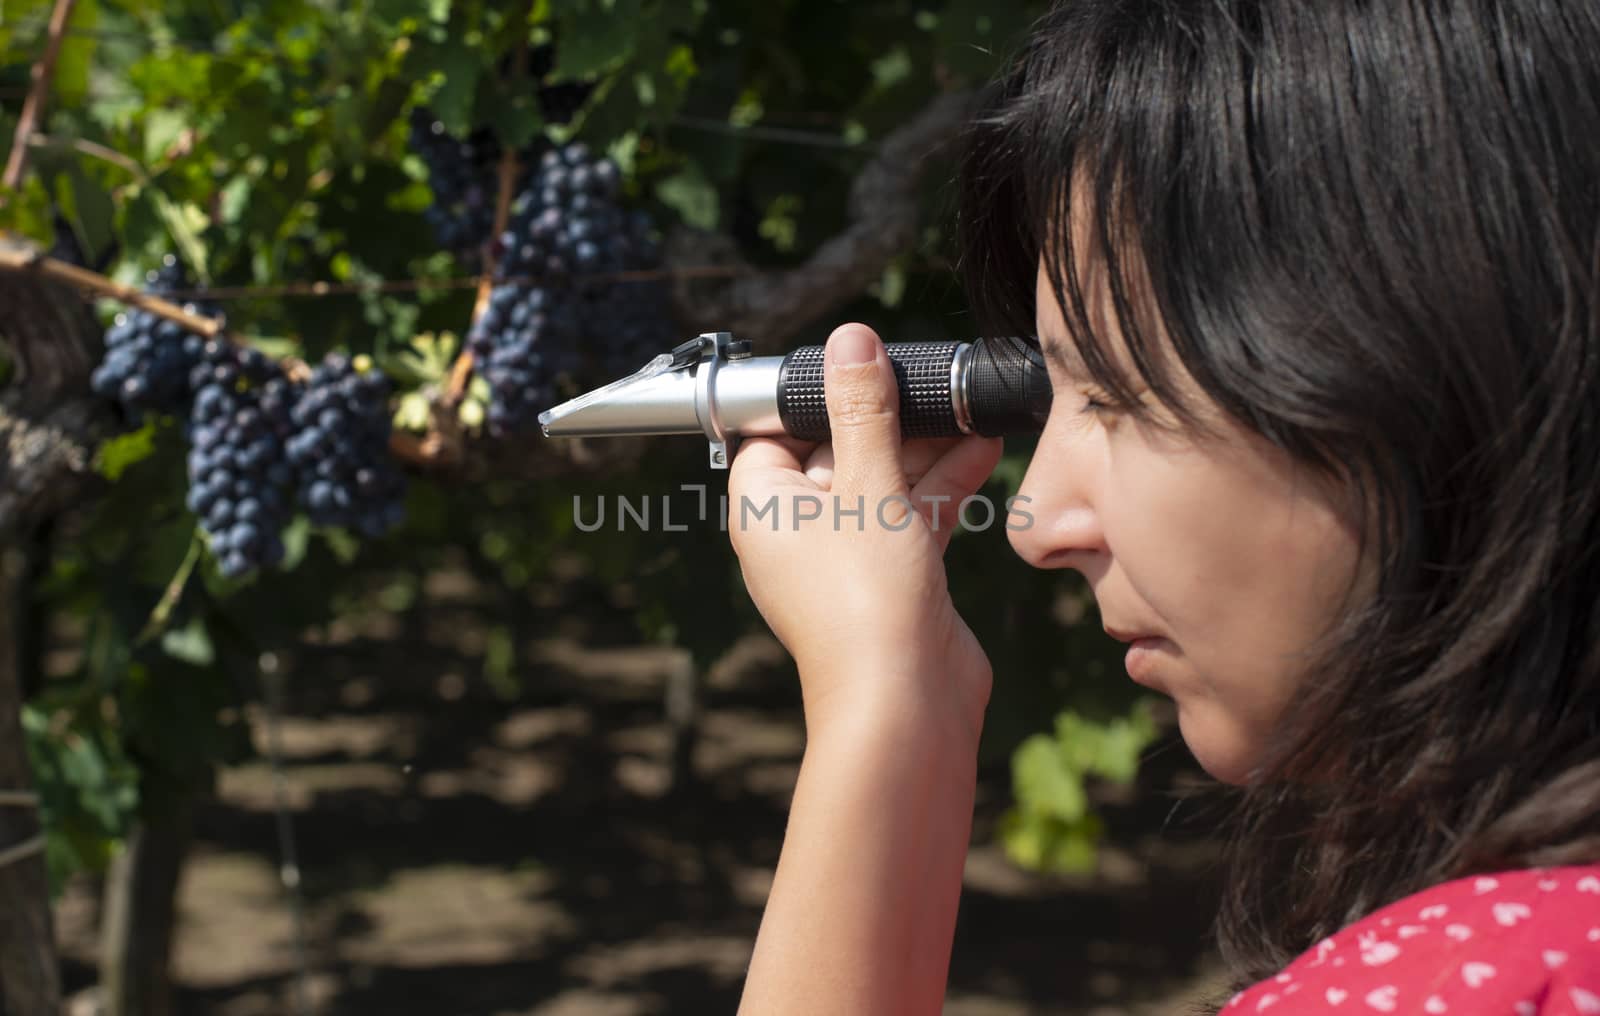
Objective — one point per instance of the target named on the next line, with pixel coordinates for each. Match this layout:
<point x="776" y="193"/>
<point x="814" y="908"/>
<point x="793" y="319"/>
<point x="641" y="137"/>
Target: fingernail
<point x="852" y="347"/>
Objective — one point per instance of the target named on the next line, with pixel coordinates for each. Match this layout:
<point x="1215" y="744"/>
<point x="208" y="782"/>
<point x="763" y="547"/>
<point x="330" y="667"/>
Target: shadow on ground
<point x="464" y="855"/>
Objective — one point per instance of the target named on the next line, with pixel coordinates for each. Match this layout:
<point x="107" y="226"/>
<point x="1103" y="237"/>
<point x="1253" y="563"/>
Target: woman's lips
<point x="1142" y="657"/>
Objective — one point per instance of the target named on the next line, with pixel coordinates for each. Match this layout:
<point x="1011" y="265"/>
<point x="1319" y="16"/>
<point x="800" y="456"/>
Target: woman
<point x="1318" y="285"/>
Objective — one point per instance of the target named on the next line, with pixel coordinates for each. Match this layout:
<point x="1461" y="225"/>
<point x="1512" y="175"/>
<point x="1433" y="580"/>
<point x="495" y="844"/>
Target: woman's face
<point x="1223" y="553"/>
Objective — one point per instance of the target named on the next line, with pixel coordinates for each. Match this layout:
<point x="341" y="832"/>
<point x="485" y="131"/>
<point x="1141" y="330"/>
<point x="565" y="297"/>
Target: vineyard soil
<point x="471" y="855"/>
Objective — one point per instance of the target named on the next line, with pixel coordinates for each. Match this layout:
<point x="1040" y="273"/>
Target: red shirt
<point x="1518" y="943"/>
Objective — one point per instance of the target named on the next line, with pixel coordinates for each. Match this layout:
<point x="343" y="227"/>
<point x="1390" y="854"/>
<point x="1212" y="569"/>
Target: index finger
<point x="776" y="452"/>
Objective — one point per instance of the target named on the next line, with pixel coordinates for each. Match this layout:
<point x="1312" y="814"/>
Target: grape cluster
<point x="526" y="336"/>
<point x="464" y="172"/>
<point x="258" y="443"/>
<point x="148" y="360"/>
<point x="462" y="175"/>
<point x="239" y="473"/>
<point x="569" y="232"/>
<point x="340" y="449"/>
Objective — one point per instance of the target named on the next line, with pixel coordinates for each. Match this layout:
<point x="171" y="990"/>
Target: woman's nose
<point x="1059" y="496"/>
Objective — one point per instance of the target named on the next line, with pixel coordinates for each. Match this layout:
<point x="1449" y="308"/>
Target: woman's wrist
<point x="901" y="698"/>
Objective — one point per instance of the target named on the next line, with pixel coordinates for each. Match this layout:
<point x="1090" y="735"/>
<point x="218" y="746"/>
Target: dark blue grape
<point x="149" y="362"/>
<point x="464" y="175"/>
<point x="239" y="473"/>
<point x="339" y="448"/>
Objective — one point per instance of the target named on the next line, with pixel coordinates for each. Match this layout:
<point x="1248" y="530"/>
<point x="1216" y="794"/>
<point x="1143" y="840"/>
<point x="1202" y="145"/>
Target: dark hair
<point x="1370" y="232"/>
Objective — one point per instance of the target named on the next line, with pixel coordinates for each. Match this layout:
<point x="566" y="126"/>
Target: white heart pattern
<point x="1382" y="999"/>
<point x="1549" y="885"/>
<point x="1554" y="958"/>
<point x="1589" y="884"/>
<point x="1435" y="1004"/>
<point x="1459" y="932"/>
<point x="1476" y="973"/>
<point x="1411" y="930"/>
<point x="1266" y="1000"/>
<point x="1485" y="885"/>
<point x="1508" y="914"/>
<point x="1594" y="935"/>
<point x="1335" y="995"/>
<point x="1376" y="954"/>
<point x="1585" y="1001"/>
<point x="1526" y="1008"/>
<point x="1437" y="910"/>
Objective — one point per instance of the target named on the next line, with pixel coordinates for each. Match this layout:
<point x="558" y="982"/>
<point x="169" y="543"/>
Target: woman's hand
<point x="849" y="572"/>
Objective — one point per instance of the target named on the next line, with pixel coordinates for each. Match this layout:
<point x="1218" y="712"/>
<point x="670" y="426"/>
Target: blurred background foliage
<point x="267" y="144"/>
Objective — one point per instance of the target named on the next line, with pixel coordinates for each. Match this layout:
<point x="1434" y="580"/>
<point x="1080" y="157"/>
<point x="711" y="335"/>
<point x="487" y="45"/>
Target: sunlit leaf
<point x="119" y="453"/>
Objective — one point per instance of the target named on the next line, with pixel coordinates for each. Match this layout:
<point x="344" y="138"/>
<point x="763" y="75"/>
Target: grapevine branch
<point x="772" y="306"/>
<point x="17" y="161"/>
<point x="22" y="260"/>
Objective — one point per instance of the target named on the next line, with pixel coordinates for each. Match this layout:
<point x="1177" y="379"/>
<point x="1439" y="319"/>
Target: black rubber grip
<point x="922" y="370"/>
<point x="1008" y="390"/>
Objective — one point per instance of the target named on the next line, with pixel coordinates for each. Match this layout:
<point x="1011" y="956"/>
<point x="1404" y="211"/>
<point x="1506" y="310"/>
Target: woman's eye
<point x="1097" y="403"/>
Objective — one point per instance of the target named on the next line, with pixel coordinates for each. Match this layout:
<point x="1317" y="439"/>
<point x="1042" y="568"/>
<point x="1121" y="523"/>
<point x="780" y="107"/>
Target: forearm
<point x="863" y="904"/>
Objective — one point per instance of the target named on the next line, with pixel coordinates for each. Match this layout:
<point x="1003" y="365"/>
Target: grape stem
<point x="157" y="621"/>
<point x="40" y="89"/>
<point x="461" y="370"/>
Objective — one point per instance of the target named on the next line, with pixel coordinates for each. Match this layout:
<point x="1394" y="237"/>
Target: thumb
<point x="863" y="412"/>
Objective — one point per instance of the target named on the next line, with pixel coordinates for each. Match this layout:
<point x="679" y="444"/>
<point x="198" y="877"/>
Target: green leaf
<point x="296" y="540"/>
<point x="1043" y="783"/>
<point x="183" y="226"/>
<point x="460" y="66"/>
<point x="1041" y="842"/>
<point x="472" y="414"/>
<point x="1123" y="743"/>
<point x="76" y="58"/>
<point x="117" y="454"/>
<point x="512" y="109"/>
<point x="191" y="644"/>
<point x="162" y="128"/>
<point x="596" y="35"/>
<point x="233" y="200"/>
<point x="692" y="196"/>
<point x="91" y="207"/>
<point x="345" y="547"/>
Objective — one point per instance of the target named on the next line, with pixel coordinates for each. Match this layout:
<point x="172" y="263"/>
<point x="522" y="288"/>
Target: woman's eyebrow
<point x="1063" y="354"/>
